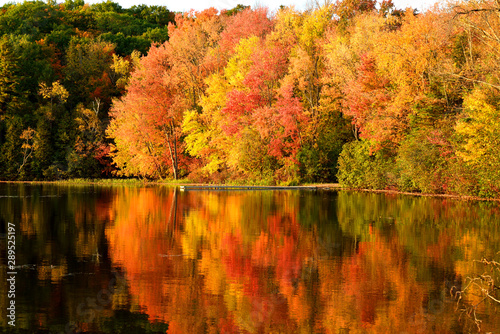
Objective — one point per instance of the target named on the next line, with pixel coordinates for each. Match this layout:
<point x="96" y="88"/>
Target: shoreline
<point x="178" y="183"/>
<point x="406" y="193"/>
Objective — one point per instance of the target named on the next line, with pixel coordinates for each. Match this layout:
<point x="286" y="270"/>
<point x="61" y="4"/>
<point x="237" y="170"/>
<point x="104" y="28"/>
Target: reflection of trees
<point x="262" y="261"/>
<point x="438" y="237"/>
<point x="378" y="293"/>
<point x="239" y="250"/>
<point x="480" y="295"/>
<point x="62" y="254"/>
<point x="252" y="262"/>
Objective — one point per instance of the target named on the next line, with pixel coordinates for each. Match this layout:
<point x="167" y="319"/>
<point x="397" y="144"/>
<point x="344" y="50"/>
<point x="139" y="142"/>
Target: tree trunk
<point x="173" y="153"/>
<point x="176" y="167"/>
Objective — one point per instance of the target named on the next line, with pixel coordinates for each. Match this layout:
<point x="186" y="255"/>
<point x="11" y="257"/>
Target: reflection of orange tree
<point x="239" y="267"/>
<point x="376" y="291"/>
<point x="146" y="240"/>
<point x="265" y="274"/>
<point x="241" y="262"/>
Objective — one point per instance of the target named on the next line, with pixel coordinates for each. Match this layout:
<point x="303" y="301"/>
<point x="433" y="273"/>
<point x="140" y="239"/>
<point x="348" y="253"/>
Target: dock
<point x="223" y="187"/>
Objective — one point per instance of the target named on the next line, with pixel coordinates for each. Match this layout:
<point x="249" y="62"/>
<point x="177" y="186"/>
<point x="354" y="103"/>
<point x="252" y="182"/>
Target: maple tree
<point x="175" y="73"/>
<point x="245" y="24"/>
<point x="192" y="50"/>
<point x="145" y="124"/>
<point x="367" y="100"/>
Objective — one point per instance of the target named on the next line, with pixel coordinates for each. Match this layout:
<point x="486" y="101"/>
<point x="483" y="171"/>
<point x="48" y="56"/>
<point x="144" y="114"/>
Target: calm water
<point x="155" y="260"/>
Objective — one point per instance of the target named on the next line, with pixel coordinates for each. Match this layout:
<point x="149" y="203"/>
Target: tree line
<point x="355" y="91"/>
<point x="61" y="65"/>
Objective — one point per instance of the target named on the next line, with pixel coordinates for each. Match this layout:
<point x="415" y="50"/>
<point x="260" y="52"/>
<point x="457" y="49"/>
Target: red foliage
<point x="101" y="154"/>
<point x="239" y="107"/>
<point x="366" y="102"/>
<point x="148" y="117"/>
<point x="243" y="25"/>
<point x="281" y="125"/>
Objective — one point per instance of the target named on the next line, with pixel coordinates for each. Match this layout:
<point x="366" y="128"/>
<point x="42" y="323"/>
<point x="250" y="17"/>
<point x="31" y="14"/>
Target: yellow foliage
<point x="87" y="120"/>
<point x="314" y="25"/>
<point x="481" y="130"/>
<point x="411" y="55"/>
<point x="288" y="24"/>
<point x="123" y="67"/>
<point x="28" y="136"/>
<point x="239" y="65"/>
<point x="205" y="139"/>
<point x="55" y="91"/>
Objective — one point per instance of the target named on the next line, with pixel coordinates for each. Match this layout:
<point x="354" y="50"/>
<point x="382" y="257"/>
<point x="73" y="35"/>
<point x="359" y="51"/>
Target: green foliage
<point x="159" y="15"/>
<point x="73" y="4"/>
<point x="83" y="165"/>
<point x="33" y="59"/>
<point x="125" y="45"/>
<point x="33" y="18"/>
<point x="319" y="157"/>
<point x="60" y="37"/>
<point x="421" y="164"/>
<point x="53" y="173"/>
<point x="106" y="6"/>
<point x="9" y="79"/>
<point x="156" y="35"/>
<point x="70" y="45"/>
<point x="88" y="71"/>
<point x="238" y="9"/>
<point x="11" y="149"/>
<point x="359" y="168"/>
<point x="252" y="158"/>
<point x="44" y="152"/>
<point x="126" y="24"/>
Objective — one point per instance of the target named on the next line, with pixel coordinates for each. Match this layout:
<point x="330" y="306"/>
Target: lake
<point x="125" y="259"/>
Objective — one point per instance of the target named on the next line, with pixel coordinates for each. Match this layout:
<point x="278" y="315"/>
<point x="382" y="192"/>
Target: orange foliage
<point x="248" y="269"/>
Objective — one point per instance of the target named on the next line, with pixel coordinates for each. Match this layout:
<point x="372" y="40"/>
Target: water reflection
<point x="153" y="259"/>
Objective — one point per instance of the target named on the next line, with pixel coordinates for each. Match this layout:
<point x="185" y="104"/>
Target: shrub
<point x="422" y="164"/>
<point x="359" y="168"/>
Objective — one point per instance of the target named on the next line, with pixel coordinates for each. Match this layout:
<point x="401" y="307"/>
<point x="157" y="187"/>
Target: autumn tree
<point x="145" y="122"/>
<point x="247" y="103"/>
<point x="479" y="132"/>
<point x="207" y="132"/>
<point x="175" y="72"/>
<point x="27" y="147"/>
<point x="244" y="24"/>
<point x="366" y="102"/>
<point x="327" y="130"/>
<point x="88" y="71"/>
<point x="192" y="50"/>
<point x="346" y="10"/>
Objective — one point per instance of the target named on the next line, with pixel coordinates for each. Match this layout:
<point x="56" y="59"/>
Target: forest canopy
<point x="353" y="91"/>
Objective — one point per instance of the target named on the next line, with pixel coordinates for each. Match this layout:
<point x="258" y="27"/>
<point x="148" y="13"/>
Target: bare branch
<point x="463" y="11"/>
<point x="474" y="80"/>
